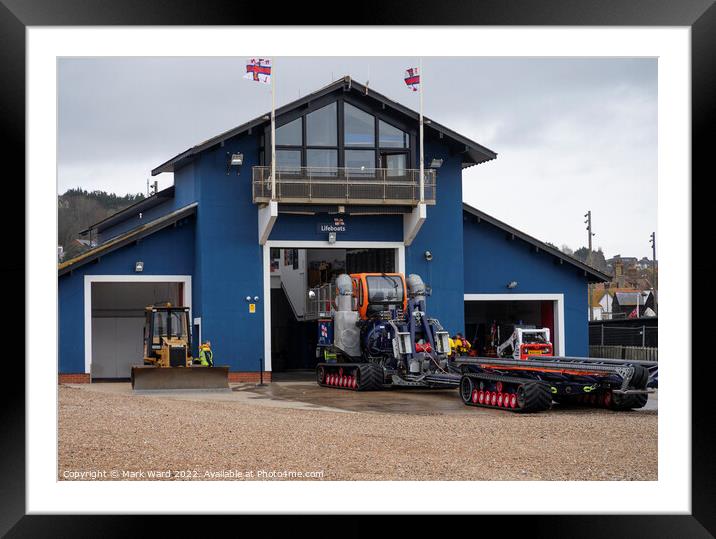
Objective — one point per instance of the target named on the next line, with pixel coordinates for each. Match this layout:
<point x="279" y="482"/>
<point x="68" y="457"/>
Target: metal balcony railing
<point x="316" y="185"/>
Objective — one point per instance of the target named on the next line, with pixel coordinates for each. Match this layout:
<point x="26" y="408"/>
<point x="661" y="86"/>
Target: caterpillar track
<point x="505" y="392"/>
<point x="350" y="376"/>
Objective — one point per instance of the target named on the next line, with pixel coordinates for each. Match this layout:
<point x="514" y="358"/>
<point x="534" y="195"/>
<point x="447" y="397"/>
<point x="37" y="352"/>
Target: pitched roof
<point x="135" y="234"/>
<point x="143" y="205"/>
<point x="593" y="274"/>
<point x="632" y="298"/>
<point x="474" y="153"/>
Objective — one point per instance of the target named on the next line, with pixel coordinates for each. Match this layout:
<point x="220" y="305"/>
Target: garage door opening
<point x="295" y="272"/>
<point x="118" y="324"/>
<point x="489" y="323"/>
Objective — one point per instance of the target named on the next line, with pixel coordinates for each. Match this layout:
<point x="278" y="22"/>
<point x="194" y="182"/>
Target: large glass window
<point x="359" y="127"/>
<point x="360" y="160"/>
<point x="322" y="126"/>
<point x="288" y="160"/>
<point x="322" y="162"/>
<point x="391" y="137"/>
<point x="290" y="134"/>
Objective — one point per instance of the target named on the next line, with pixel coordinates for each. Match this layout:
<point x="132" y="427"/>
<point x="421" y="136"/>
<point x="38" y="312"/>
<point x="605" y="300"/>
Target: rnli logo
<point x="338" y="225"/>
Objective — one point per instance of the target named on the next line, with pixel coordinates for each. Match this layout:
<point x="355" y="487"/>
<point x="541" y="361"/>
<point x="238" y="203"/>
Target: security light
<point x="256" y="299"/>
<point x="139" y="266"/>
<point x="248" y="298"/>
<point x="436" y="163"/>
<point x="234" y="160"/>
<point x="512" y="284"/>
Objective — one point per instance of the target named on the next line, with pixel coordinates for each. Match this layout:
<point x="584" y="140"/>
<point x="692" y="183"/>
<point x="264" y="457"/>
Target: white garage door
<point x="116" y="346"/>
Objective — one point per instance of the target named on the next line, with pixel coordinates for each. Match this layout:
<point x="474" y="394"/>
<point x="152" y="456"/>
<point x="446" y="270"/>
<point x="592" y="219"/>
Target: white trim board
<point x="559" y="337"/>
<point x="89" y="279"/>
<point x="399" y="246"/>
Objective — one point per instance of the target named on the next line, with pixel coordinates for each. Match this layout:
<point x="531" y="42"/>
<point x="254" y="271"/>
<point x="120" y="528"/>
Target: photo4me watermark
<point x="96" y="475"/>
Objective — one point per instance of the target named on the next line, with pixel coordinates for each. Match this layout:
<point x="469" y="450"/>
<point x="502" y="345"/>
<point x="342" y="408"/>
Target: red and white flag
<point x="258" y="70"/>
<point x="412" y="78"/>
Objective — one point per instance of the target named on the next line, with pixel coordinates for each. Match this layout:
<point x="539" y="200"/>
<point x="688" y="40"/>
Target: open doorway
<point x="295" y="271"/>
<point x="489" y="322"/>
<point x="117" y="323"/>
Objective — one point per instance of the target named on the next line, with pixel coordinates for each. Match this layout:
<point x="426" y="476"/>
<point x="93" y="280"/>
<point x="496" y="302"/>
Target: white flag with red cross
<point x="412" y="78"/>
<point x="258" y="70"/>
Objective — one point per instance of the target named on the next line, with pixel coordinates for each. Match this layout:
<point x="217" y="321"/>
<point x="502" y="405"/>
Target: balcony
<point x="345" y="186"/>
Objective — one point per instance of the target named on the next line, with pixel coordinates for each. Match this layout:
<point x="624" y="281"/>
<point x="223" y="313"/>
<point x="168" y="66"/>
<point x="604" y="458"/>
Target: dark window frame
<point x="378" y="114"/>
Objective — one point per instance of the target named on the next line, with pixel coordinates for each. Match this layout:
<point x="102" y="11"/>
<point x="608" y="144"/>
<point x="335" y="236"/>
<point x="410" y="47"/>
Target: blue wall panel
<point x="492" y="260"/>
<point x="167" y="252"/>
<point x="441" y="234"/>
<point x="133" y="221"/>
<point x="228" y="267"/>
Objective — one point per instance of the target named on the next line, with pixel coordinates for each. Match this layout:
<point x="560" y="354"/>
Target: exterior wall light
<point x="139" y="266"/>
<point x="428" y="256"/>
<point x="234" y="160"/>
<point x="512" y="284"/>
<point x="331" y="238"/>
<point x="436" y="163"/>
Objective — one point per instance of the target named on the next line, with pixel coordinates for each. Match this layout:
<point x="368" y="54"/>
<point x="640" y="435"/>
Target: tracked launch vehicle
<point x="379" y="335"/>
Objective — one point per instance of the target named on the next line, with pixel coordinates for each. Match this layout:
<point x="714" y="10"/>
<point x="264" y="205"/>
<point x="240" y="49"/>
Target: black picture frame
<point x="16" y="15"/>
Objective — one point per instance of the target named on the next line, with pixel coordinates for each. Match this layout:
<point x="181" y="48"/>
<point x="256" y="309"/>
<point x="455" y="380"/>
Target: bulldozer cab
<point x="377" y="292"/>
<point x="167" y="341"/>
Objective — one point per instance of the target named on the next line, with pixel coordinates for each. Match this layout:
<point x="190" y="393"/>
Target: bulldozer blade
<point x="147" y="378"/>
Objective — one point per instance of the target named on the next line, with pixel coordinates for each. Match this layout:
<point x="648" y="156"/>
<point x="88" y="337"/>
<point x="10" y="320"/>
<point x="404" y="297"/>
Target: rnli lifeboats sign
<point x="338" y="225"/>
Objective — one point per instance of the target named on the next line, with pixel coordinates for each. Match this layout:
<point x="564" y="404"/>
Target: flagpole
<point x="422" y="160"/>
<point x="273" y="130"/>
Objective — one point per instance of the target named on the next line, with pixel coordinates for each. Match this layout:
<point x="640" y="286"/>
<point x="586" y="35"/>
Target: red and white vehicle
<point x="525" y="343"/>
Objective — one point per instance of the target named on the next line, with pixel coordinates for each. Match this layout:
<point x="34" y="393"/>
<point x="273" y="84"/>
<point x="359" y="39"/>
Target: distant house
<point x="602" y="305"/>
<point x="633" y="304"/>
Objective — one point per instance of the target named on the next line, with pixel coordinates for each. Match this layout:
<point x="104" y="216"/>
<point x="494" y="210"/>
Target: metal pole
<point x="422" y="159"/>
<point x="261" y="371"/>
<point x="273" y="130"/>
<point x="653" y="267"/>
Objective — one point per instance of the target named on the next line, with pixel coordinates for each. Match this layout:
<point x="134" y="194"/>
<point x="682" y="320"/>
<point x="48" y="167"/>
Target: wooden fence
<point x="637" y="353"/>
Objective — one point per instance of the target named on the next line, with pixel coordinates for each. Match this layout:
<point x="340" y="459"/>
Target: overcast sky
<point x="571" y="134"/>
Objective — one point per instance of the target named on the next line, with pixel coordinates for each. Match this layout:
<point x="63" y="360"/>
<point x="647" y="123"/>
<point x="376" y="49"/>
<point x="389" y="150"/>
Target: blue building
<point x="242" y="251"/>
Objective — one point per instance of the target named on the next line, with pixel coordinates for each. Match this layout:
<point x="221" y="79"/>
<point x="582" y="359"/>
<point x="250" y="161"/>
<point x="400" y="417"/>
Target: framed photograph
<point x="526" y="173"/>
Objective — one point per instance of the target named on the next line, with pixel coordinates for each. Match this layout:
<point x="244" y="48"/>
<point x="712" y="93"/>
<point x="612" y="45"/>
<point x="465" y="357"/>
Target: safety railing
<point x="318" y="185"/>
<point x="320" y="302"/>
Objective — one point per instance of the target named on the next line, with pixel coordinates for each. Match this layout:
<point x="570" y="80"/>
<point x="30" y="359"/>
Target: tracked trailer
<point x="168" y="363"/>
<point x="614" y="384"/>
<point x="379" y="335"/>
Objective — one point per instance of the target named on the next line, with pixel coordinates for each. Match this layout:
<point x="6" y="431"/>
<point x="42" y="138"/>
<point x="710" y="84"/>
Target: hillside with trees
<point x="78" y="209"/>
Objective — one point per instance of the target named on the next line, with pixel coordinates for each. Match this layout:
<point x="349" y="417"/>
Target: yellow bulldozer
<point x="168" y="362"/>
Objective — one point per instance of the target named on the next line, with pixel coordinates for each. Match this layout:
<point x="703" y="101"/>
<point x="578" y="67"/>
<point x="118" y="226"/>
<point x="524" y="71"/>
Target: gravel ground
<point x="112" y="433"/>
